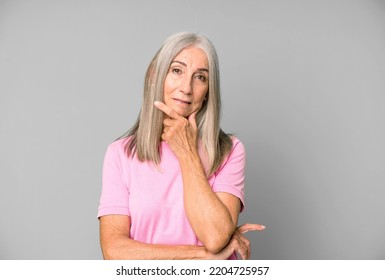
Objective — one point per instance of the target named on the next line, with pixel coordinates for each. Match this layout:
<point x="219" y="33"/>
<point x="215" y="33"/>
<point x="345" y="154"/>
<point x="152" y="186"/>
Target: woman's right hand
<point x="238" y="243"/>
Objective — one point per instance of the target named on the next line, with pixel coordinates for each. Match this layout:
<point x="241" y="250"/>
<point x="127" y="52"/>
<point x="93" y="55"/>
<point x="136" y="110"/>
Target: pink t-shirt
<point x="153" y="196"/>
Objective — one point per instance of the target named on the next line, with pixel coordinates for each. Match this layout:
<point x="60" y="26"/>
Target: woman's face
<point x="187" y="81"/>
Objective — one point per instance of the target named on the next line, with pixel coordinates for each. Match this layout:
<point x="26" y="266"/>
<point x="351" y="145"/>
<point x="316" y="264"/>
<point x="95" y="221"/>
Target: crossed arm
<point x="116" y="244"/>
<point x="213" y="216"/>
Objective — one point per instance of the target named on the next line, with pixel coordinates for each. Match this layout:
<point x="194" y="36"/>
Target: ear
<point x="207" y="96"/>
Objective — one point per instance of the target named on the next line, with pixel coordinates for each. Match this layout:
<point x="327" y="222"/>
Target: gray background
<point x="303" y="87"/>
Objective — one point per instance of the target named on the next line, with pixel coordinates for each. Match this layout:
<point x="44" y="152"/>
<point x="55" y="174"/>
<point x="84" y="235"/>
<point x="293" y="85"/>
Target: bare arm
<point x="213" y="216"/>
<point x="116" y="244"/>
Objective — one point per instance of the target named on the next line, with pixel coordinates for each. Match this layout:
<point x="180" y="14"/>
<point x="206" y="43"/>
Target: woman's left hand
<point x="179" y="133"/>
<point x="238" y="243"/>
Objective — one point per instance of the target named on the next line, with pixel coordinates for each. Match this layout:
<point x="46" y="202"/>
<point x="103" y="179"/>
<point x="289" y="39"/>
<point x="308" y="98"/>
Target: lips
<point x="182" y="101"/>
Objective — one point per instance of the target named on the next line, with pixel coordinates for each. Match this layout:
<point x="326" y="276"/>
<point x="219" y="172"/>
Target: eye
<point x="202" y="78"/>
<point x="176" y="71"/>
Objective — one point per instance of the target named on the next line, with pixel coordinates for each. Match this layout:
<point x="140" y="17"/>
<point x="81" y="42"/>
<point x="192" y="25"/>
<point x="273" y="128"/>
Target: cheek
<point x="200" y="100"/>
<point x="203" y="94"/>
<point x="166" y="86"/>
<point x="169" y="84"/>
<point x="167" y="90"/>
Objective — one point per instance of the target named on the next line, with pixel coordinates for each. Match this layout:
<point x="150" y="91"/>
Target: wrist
<point x="189" y="156"/>
<point x="192" y="164"/>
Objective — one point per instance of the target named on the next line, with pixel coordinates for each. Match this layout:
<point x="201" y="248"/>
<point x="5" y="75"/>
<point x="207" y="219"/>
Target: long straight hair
<point x="144" y="137"/>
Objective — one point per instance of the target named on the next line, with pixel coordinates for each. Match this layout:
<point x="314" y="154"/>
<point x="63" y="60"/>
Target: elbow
<point x="215" y="245"/>
<point x="216" y="242"/>
<point x="111" y="252"/>
<point x="214" y="248"/>
<point x="108" y="257"/>
<point x="108" y="253"/>
<point x="116" y="251"/>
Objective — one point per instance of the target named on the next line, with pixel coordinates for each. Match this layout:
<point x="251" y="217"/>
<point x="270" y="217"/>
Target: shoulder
<point x="236" y="158"/>
<point x="121" y="142"/>
<point x="238" y="147"/>
<point x="117" y="148"/>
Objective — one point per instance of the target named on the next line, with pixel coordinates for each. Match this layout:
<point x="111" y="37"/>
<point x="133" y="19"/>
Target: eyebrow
<point x="184" y="64"/>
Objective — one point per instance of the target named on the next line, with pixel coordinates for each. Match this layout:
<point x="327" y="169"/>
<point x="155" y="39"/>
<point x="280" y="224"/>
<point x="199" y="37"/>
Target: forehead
<point x="193" y="56"/>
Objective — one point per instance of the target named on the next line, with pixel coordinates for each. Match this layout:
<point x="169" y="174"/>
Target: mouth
<point x="182" y="101"/>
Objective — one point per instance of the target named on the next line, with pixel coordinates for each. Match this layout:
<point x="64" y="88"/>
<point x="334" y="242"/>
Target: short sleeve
<point x="115" y="194"/>
<point x="230" y="177"/>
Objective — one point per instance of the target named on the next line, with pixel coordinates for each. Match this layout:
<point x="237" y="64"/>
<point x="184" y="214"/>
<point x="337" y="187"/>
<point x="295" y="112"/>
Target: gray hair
<point x="146" y="133"/>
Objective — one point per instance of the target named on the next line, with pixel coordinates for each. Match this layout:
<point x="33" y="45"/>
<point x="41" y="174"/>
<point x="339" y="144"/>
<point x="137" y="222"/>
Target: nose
<point x="186" y="85"/>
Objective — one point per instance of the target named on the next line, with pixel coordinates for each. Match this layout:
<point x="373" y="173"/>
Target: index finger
<point x="248" y="227"/>
<point x="167" y="110"/>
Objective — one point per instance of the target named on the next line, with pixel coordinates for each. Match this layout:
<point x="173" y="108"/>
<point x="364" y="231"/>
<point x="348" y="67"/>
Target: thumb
<point x="192" y="119"/>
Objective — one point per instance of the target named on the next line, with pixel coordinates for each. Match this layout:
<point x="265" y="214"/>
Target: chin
<point x="181" y="112"/>
<point x="184" y="114"/>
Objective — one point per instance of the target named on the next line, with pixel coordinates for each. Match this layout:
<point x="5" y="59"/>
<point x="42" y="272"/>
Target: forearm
<point x="208" y="216"/>
<point x="212" y="218"/>
<point x="124" y="248"/>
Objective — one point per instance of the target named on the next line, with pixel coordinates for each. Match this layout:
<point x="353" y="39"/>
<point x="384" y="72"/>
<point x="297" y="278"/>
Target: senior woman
<point x="173" y="186"/>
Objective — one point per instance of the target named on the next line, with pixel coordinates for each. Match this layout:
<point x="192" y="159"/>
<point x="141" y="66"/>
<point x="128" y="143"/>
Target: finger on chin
<point x="192" y="119"/>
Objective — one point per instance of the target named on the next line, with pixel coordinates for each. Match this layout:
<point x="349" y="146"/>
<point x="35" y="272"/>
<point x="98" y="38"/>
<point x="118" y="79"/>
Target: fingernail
<point x="263" y="227"/>
<point x="156" y="103"/>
